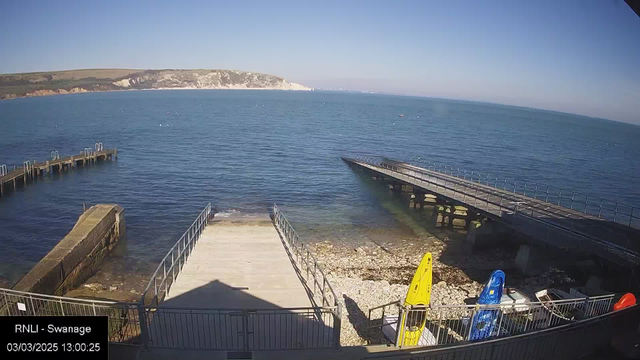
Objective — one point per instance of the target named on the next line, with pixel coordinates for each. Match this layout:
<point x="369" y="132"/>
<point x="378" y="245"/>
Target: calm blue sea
<point x="244" y="150"/>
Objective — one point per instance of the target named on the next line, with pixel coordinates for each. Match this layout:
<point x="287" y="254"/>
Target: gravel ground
<point x="374" y="274"/>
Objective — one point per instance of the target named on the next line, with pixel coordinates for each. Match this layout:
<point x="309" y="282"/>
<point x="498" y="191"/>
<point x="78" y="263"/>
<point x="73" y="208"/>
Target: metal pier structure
<point x="236" y="266"/>
<point x="563" y="219"/>
<point x="31" y="170"/>
<point x="240" y="287"/>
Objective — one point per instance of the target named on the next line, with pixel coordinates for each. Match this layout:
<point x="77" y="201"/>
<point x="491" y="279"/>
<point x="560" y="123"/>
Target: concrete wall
<point x="79" y="254"/>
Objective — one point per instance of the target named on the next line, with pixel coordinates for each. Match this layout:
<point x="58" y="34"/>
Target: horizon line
<point x="524" y="107"/>
<point x="472" y="101"/>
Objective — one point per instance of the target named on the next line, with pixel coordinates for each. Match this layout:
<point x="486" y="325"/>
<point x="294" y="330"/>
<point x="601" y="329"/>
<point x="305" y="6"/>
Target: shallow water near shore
<point x="245" y="150"/>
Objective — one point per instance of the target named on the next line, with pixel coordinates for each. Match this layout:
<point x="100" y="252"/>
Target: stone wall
<point x="79" y="254"/>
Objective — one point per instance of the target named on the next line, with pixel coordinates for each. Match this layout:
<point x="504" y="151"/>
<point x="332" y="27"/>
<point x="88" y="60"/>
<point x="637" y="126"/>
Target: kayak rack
<point x="451" y="324"/>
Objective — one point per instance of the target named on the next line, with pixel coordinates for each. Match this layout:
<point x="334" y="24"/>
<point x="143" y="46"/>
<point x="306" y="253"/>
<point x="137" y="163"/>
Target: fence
<point x="124" y="323"/>
<point x="170" y="266"/>
<point x="520" y="210"/>
<point x="451" y="324"/>
<point x="565" y="342"/>
<point x="241" y="329"/>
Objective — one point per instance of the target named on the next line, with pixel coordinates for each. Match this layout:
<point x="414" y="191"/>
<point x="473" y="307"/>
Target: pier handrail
<point x="615" y="211"/>
<point x="535" y="212"/>
<point x="618" y="212"/>
<point x="490" y="197"/>
<point x="310" y="264"/>
<point x="29" y="165"/>
<point x="175" y="259"/>
<point x="305" y="257"/>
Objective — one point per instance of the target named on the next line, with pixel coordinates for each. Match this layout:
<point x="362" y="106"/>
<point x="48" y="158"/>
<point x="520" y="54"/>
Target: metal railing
<point x="572" y="341"/>
<point x="55" y="155"/>
<point x="241" y="329"/>
<point x="310" y="269"/>
<point x="592" y="205"/>
<point x="124" y="321"/>
<point x="27" y="167"/>
<point x="517" y="208"/>
<point x="602" y="208"/>
<point x="451" y="324"/>
<point x="172" y="263"/>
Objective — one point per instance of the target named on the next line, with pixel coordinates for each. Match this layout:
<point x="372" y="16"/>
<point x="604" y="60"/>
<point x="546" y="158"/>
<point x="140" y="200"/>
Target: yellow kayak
<point x="419" y="294"/>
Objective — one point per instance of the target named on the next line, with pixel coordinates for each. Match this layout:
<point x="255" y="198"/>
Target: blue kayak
<point x="484" y="321"/>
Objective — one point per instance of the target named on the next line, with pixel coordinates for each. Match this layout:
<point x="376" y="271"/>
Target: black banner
<point x="47" y="337"/>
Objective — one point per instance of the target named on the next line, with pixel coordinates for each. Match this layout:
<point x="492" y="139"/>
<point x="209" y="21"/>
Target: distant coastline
<point x="14" y="86"/>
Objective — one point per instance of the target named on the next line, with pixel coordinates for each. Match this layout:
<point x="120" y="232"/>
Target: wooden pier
<point x="31" y="170"/>
<point x="580" y="226"/>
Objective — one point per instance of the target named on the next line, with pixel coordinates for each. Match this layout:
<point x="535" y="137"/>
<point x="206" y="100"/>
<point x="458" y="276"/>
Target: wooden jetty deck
<point x="31" y="170"/>
<point x="238" y="265"/>
<point x="554" y="224"/>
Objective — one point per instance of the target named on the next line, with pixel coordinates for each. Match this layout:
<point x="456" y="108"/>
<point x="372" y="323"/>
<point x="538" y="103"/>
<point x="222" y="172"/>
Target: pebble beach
<point x="374" y="274"/>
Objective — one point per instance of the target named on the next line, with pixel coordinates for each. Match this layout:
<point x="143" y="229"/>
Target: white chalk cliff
<point x="87" y="80"/>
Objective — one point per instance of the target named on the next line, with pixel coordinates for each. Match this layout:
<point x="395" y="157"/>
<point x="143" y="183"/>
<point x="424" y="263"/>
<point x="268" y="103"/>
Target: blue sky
<point x="579" y="56"/>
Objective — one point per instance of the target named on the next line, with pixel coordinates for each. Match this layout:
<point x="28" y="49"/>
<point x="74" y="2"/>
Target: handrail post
<point x="315" y="276"/>
<point x="546" y="197"/>
<point x="166" y="288"/>
<point x="144" y="330"/>
<point x="324" y="284"/>
<point x="245" y="330"/>
<point x="559" y="196"/>
<point x="173" y="272"/>
<point x="586" y="202"/>
<point x="307" y="264"/>
<point x="337" y="325"/>
<point x="600" y="208"/>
